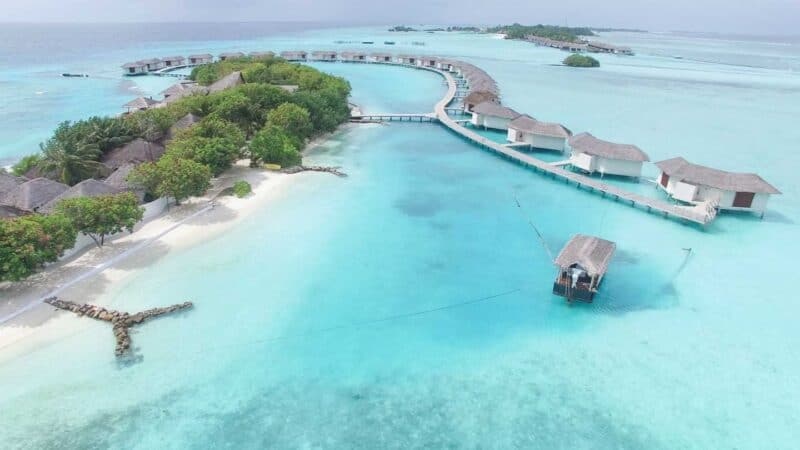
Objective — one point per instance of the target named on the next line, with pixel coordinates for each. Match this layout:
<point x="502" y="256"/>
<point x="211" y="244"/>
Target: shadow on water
<point x="419" y="205"/>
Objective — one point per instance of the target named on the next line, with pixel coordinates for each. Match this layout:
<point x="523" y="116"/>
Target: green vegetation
<point x="273" y="145"/>
<point x="28" y="242"/>
<point x="173" y="176"/>
<point x="557" y="33"/>
<point x="461" y="28"/>
<point x="402" y="28"/>
<point x="576" y="60"/>
<point x="26" y="164"/>
<point x="104" y="215"/>
<point x="241" y="188"/>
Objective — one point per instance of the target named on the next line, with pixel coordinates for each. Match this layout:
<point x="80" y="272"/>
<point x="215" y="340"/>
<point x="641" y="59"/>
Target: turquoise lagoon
<point x="319" y="320"/>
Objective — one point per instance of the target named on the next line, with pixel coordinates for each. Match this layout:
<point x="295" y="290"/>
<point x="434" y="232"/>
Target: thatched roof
<point x="32" y="195"/>
<point x="184" y="122"/>
<point x="119" y="180"/>
<point x="173" y="58"/>
<point x="262" y="54"/>
<point x="528" y="124"/>
<point x="227" y="55"/>
<point x="201" y="56"/>
<point x="478" y="97"/>
<point x="495" y="109"/>
<point x="228" y="81"/>
<point x="8" y="183"/>
<point x="150" y="61"/>
<point x="86" y="188"/>
<point x="9" y="212"/>
<point x="137" y="151"/>
<point x="140" y="103"/>
<point x="133" y="65"/>
<point x="591" y="253"/>
<point x="586" y="143"/>
<point x="682" y="170"/>
<point x="294" y="55"/>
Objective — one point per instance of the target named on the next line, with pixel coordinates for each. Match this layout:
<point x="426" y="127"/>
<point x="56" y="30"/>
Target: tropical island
<point x="576" y="60"/>
<point x="402" y="29"/>
<point x="96" y="172"/>
<point x="554" y="32"/>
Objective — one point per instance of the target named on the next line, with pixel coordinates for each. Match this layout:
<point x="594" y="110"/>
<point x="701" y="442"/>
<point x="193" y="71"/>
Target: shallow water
<point x="318" y="320"/>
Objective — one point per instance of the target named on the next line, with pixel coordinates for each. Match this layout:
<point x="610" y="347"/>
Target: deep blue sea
<point x="306" y="333"/>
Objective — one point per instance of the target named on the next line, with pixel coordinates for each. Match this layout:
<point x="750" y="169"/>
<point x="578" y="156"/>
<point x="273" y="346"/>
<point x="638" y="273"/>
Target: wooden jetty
<point x="121" y="321"/>
<point x="430" y="117"/>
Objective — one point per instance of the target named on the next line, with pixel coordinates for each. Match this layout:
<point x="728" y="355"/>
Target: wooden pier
<point x="429" y="117"/>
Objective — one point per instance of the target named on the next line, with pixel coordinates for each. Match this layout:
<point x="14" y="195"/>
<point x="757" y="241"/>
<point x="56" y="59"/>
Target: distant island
<point x="625" y="30"/>
<point x="402" y="28"/>
<point x="405" y="29"/>
<point x="554" y="32"/>
<point x="576" y="60"/>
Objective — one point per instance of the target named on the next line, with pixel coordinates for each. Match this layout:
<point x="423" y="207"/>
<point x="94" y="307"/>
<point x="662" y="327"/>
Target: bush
<point x="172" y="177"/>
<point x="26" y="164"/>
<point x="28" y="242"/>
<point x="576" y="60"/>
<point x="241" y="188"/>
<point x="273" y="146"/>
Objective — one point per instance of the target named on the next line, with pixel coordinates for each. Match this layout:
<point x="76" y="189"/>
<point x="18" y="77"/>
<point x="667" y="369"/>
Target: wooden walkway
<point x="429" y="117"/>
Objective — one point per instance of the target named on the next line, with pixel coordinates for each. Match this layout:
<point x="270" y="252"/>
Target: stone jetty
<point x="298" y="169"/>
<point x="121" y="321"/>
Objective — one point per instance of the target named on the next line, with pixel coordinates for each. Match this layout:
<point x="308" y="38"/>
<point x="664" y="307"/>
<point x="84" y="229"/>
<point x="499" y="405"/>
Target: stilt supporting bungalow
<point x="582" y="264"/>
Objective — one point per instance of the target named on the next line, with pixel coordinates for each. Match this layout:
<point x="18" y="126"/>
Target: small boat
<point x="367" y="42"/>
<point x="388" y="42"/>
<point x="417" y="43"/>
<point x="75" y="75"/>
<point x="582" y="264"/>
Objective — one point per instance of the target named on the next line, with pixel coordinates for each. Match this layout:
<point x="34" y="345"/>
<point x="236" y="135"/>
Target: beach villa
<point x="294" y="55"/>
<point x="692" y="183"/>
<point x="173" y="61"/>
<point x="204" y="58"/>
<point x="135" y="152"/>
<point x="591" y="155"/>
<point x="230" y="55"/>
<point x="525" y="129"/>
<point x="323" y="56"/>
<point x="492" y="115"/>
<point x="134" y="68"/>
<point x="86" y="188"/>
<point x="475" y="98"/>
<point x="33" y="194"/>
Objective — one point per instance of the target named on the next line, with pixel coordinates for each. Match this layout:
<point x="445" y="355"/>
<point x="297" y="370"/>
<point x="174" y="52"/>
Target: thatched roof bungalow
<point x="538" y="134"/>
<point x="183" y="123"/>
<point x="136" y="152"/>
<point x="475" y="98"/>
<point x="134" y="68"/>
<point x="428" y="61"/>
<point x="582" y="264"/>
<point x="140" y="104"/>
<point x="230" y="55"/>
<point x="119" y="180"/>
<point x="321" y="55"/>
<point x="203" y="58"/>
<point x="407" y="59"/>
<point x="262" y="54"/>
<point x="181" y="90"/>
<point x="9" y="212"/>
<point x="228" y="81"/>
<point x="591" y="155"/>
<point x="298" y="55"/>
<point x="86" y="188"/>
<point x="381" y="57"/>
<point x="33" y="194"/>
<point x="173" y="61"/>
<point x="353" y="56"/>
<point x="492" y="115"/>
<point x="152" y="64"/>
<point x="8" y="183"/>
<point x="693" y="183"/>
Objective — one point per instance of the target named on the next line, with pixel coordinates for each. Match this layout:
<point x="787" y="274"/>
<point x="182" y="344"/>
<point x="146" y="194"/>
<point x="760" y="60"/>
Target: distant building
<point x="492" y="115"/>
<point x="600" y="47"/>
<point x="407" y="59"/>
<point x="140" y="104"/>
<point x="204" y="58"/>
<point x="230" y="55"/>
<point x="475" y="98"/>
<point x="323" y="56"/>
<point x="428" y="61"/>
<point x="182" y="89"/>
<point x="537" y="134"/>
<point x="591" y="155"/>
<point x="262" y="54"/>
<point x="353" y="57"/>
<point x="152" y="64"/>
<point x="173" y="61"/>
<point x="693" y="183"/>
<point x="294" y="55"/>
<point x="381" y="57"/>
<point x="444" y="64"/>
<point x="134" y="68"/>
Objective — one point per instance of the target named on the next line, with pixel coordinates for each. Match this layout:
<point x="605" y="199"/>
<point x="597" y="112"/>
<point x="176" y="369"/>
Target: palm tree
<point x="68" y="158"/>
<point x="109" y="133"/>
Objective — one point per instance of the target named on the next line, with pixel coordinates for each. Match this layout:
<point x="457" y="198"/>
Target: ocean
<point x="409" y="305"/>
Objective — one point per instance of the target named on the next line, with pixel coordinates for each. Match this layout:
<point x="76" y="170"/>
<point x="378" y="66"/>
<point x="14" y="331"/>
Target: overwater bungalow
<point x="475" y="98"/>
<point x="33" y="194"/>
<point x="86" y="188"/>
<point x="693" y="183"/>
<point x="538" y="134"/>
<point x="353" y="57"/>
<point x="230" y="55"/>
<point x="381" y="57"/>
<point x="591" y="155"/>
<point x="407" y="59"/>
<point x="600" y="47"/>
<point x="582" y="263"/>
<point x="428" y="61"/>
<point x="134" y="68"/>
<point x="294" y="55"/>
<point x="173" y="61"/>
<point x="445" y="65"/>
<point x="204" y="58"/>
<point x="140" y="104"/>
<point x="228" y="81"/>
<point x="492" y="115"/>
<point x="323" y="56"/>
<point x="152" y="64"/>
<point x="262" y="55"/>
<point x="134" y="152"/>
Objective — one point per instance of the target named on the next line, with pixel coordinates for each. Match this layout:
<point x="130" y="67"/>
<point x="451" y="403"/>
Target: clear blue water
<point x="288" y="346"/>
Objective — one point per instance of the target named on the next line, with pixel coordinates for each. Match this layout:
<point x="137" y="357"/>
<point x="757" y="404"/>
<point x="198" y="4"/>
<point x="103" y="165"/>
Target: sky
<point x="768" y="17"/>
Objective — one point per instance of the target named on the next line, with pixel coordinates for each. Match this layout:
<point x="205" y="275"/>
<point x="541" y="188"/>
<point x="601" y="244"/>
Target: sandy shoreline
<point x="179" y="227"/>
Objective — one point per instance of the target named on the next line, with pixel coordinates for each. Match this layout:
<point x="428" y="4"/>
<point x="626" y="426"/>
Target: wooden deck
<point x="429" y="117"/>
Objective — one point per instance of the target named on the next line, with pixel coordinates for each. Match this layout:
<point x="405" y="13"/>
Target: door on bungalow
<point x="664" y="179"/>
<point x="743" y="199"/>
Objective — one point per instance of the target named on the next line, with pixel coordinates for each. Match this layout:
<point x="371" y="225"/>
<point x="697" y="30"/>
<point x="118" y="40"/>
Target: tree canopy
<point x="557" y="33"/>
<point x="272" y="145"/>
<point x="98" y="217"/>
<point x="173" y="176"/>
<point x="576" y="60"/>
<point x="28" y="242"/>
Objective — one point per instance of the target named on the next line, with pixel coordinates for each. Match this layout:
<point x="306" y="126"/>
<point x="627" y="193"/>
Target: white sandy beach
<point x="179" y="227"/>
